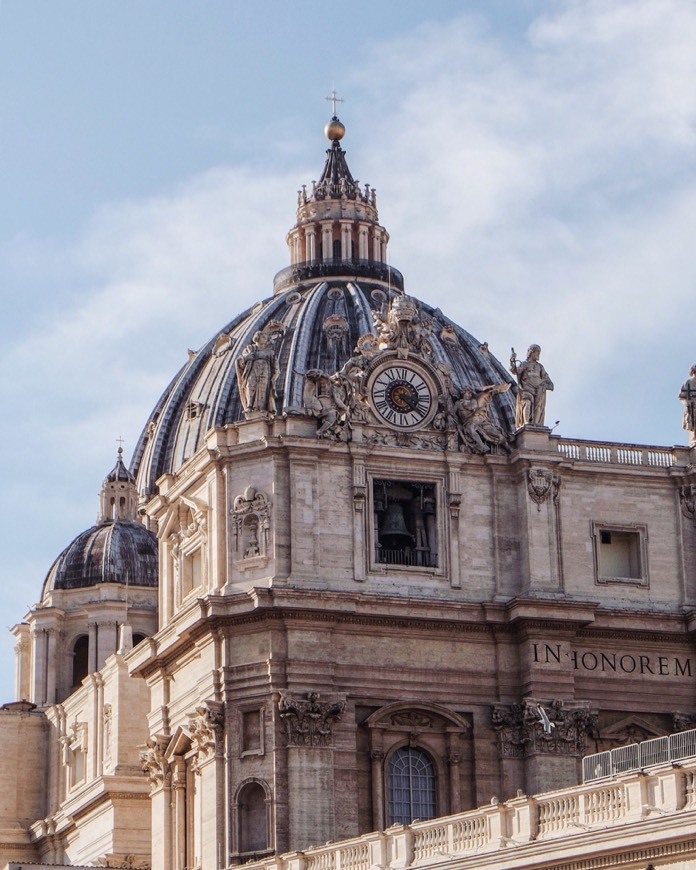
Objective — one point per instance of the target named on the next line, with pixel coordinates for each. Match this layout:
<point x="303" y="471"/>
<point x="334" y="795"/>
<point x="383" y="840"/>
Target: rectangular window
<point x="252" y="732"/>
<point x="405" y="523"/>
<point x="620" y="554"/>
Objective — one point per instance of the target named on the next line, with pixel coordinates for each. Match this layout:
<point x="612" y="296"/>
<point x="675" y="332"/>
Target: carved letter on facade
<point x="309" y="721"/>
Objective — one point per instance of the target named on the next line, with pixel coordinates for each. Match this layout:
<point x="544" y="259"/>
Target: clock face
<point x="401" y="397"/>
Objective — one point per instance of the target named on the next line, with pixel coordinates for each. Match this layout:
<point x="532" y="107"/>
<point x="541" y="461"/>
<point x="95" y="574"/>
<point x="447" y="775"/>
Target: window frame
<point x="434" y="784"/>
<point x="442" y="532"/>
<point x="639" y="532"/>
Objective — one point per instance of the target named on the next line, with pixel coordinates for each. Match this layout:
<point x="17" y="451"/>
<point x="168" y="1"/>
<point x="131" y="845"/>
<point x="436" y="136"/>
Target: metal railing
<point x="355" y="269"/>
<point x="637" y="756"/>
<point x="413" y="557"/>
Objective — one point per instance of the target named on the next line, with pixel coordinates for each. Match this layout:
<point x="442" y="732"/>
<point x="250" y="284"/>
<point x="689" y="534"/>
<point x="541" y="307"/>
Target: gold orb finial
<point x="334" y="130"/>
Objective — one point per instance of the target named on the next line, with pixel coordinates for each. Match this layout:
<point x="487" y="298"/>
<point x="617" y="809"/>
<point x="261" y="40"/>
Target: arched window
<point x="411" y="786"/>
<point x="80" y="666"/>
<point x="253" y="829"/>
<point x="138" y="638"/>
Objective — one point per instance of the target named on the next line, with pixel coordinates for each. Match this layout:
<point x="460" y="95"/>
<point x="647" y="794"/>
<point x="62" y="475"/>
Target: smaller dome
<point x="111" y="552"/>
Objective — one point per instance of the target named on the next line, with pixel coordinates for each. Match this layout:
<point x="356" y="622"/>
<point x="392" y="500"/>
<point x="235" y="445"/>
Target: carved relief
<point x="404" y="328"/>
<point x="309" y="721"/>
<point x="335" y="329"/>
<point x="683" y="721"/>
<point x="205" y="728"/>
<point x="542" y="483"/>
<point x="108" y="721"/>
<point x="478" y="433"/>
<point x="687" y="499"/>
<point x="387" y="438"/>
<point x="153" y="762"/>
<point x="252" y="524"/>
<point x="258" y="370"/>
<point x="521" y="730"/>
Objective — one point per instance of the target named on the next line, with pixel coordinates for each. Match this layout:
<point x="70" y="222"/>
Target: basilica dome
<point x="118" y="549"/>
<point x="337" y="287"/>
<point x="113" y="552"/>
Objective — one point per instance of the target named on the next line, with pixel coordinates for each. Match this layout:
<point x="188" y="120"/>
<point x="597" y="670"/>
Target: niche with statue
<point x="405" y="523"/>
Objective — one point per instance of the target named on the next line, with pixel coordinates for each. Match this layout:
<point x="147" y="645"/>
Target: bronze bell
<point x="394" y="533"/>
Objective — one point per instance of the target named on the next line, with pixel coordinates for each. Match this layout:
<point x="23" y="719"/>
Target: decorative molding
<point x="687" y="500"/>
<point x="153" y="762"/>
<point x="542" y="483"/>
<point x="683" y="721"/>
<point x="252" y="524"/>
<point x="521" y="731"/>
<point x="206" y="730"/>
<point x="309" y="721"/>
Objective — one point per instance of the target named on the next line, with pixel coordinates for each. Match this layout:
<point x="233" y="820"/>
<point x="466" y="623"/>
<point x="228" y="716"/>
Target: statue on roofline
<point x="533" y="382"/>
<point x="687" y="396"/>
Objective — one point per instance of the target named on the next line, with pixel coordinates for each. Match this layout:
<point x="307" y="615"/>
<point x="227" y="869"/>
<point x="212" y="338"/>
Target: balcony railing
<point x="525" y="826"/>
<point x="366" y="270"/>
<point x="637" y="756"/>
<point x="617" y="454"/>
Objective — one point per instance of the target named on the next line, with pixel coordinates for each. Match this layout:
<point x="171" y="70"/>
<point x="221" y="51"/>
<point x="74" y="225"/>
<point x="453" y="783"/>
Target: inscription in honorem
<point x="614" y="662"/>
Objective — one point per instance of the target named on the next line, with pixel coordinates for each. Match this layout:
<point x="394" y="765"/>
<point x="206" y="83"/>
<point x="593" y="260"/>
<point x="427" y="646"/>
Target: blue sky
<point x="535" y="165"/>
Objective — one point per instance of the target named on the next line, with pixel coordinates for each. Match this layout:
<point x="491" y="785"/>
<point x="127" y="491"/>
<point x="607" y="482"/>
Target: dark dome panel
<point x="118" y="552"/>
<point x="316" y="326"/>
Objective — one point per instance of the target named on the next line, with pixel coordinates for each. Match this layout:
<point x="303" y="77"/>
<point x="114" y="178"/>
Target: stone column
<point x="327" y="241"/>
<point x="363" y="242"/>
<point x="377" y="772"/>
<point x="454" y="757"/>
<point x="346" y="253"/>
<point x="92" y="648"/>
<point x="310" y="757"/>
<point x="22" y="662"/>
<point x="179" y="813"/>
<point x="107" y="641"/>
<point x="40" y="651"/>
<point x="310" y="244"/>
<point x="377" y="245"/>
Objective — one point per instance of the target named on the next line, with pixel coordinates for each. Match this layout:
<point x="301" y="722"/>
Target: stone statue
<point x="533" y="382"/>
<point x="403" y="327"/>
<point x="328" y="398"/>
<point x="476" y="429"/>
<point x="688" y="398"/>
<point x="257" y="373"/>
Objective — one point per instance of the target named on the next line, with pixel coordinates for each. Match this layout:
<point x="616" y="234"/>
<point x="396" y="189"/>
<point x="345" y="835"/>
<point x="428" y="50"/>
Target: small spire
<point x="118" y="493"/>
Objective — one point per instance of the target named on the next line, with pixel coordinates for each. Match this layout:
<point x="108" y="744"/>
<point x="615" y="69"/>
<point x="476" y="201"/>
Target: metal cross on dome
<point x="334" y="99"/>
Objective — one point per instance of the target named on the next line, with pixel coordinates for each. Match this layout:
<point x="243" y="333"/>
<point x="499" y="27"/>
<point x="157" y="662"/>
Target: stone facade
<point x="386" y="591"/>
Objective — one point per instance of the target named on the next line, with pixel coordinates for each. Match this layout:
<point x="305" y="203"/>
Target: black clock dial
<point x="401" y="397"/>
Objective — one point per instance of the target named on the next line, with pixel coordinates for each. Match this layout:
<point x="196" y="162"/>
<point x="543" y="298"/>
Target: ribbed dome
<point x="323" y="304"/>
<point x="322" y="325"/>
<point x="111" y="552"/>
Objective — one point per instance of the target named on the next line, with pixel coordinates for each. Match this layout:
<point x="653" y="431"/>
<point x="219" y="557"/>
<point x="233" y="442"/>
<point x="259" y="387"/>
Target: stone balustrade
<point x="622" y="454"/>
<point x="612" y="815"/>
